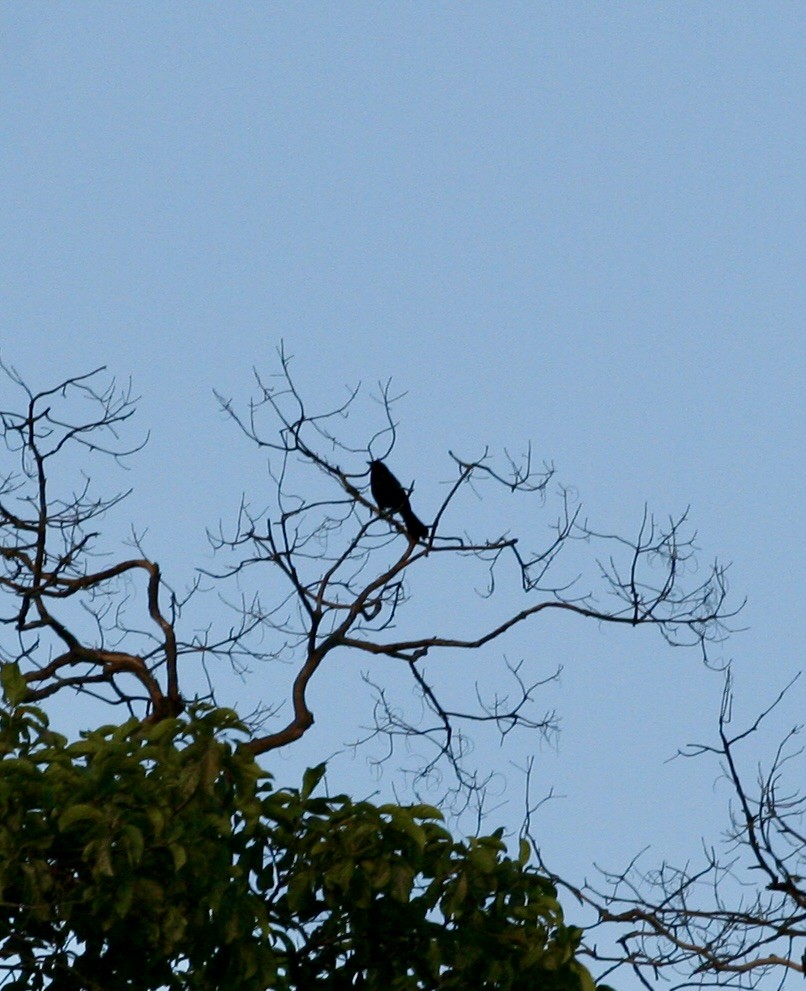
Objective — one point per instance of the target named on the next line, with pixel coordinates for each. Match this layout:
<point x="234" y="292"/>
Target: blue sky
<point x="579" y="224"/>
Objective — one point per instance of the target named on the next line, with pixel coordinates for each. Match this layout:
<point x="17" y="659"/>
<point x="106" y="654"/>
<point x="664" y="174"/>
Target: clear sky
<point x="579" y="224"/>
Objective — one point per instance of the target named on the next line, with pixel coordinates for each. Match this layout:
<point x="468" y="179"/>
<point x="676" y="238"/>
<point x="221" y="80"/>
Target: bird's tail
<point x="415" y="527"/>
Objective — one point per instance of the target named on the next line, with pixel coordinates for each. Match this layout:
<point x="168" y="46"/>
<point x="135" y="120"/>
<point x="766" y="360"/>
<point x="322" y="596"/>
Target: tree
<point x="161" y="856"/>
<point x="345" y="569"/>
<point x="348" y="572"/>
<point x="733" y="920"/>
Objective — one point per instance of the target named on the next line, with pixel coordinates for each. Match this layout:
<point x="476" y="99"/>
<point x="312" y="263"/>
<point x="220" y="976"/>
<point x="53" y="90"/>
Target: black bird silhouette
<point x="390" y="496"/>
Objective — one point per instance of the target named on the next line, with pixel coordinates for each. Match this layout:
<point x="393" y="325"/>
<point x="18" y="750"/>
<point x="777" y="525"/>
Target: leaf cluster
<point x="162" y="856"/>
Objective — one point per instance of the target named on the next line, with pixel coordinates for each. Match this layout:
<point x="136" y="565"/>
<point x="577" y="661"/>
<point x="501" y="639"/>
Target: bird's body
<point x="391" y="497"/>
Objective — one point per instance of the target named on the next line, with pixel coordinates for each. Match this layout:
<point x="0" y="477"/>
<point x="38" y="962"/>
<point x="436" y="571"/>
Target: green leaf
<point x="103" y="860"/>
<point x="179" y="855"/>
<point x="79" y="813"/>
<point x="15" y="687"/>
<point x="402" y="878"/>
<point x="133" y="841"/>
<point x="311" y="779"/>
<point x="410" y="827"/>
<point x="483" y="859"/>
<point x="123" y="900"/>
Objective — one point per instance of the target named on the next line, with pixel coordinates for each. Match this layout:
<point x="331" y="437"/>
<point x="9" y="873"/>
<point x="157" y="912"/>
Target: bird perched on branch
<point x="391" y="497"/>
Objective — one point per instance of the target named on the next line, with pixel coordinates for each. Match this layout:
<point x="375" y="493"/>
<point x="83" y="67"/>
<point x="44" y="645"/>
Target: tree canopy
<point x="162" y="856"/>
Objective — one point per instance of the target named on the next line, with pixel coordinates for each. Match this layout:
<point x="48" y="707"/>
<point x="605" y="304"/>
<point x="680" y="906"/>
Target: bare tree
<point x="738" y="919"/>
<point x="47" y="552"/>
<point x="344" y="569"/>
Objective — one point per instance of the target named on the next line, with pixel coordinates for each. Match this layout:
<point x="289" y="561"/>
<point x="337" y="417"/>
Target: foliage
<point x="163" y="857"/>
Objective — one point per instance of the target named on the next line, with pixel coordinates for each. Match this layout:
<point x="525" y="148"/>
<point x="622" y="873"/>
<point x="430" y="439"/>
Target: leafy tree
<point x="162" y="856"/>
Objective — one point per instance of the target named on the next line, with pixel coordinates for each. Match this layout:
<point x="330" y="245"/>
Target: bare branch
<point x="737" y="921"/>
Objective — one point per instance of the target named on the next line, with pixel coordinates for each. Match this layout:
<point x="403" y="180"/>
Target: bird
<point x="390" y="496"/>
